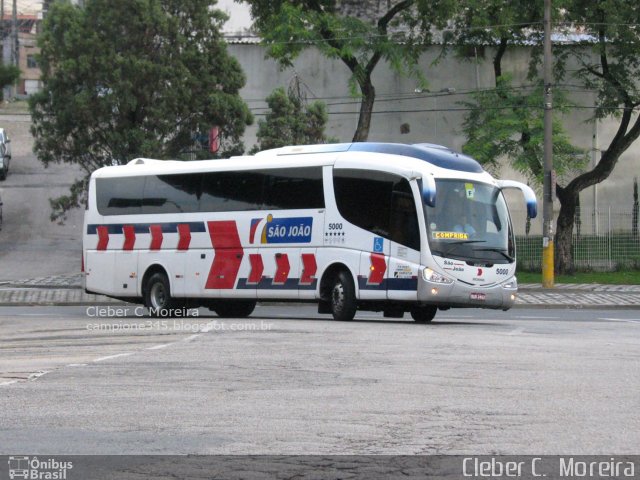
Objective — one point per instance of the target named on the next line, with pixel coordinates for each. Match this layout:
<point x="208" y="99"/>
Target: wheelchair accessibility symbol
<point x="378" y="244"/>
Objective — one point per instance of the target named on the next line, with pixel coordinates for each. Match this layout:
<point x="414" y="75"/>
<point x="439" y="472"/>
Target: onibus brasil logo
<point x="38" y="469"/>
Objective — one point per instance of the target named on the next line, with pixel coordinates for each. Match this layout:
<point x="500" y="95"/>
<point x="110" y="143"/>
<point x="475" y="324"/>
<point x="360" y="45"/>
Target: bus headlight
<point x="430" y="276"/>
<point x="510" y="284"/>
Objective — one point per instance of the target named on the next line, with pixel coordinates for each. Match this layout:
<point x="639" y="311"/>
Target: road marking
<point x="208" y="327"/>
<point x="36" y="375"/>
<point x="525" y="317"/>
<point x="10" y="382"/>
<point x="109" y="357"/>
<point x="76" y="365"/>
<point x="158" y="347"/>
<point x="625" y="320"/>
<point x="516" y="331"/>
<point x="191" y="337"/>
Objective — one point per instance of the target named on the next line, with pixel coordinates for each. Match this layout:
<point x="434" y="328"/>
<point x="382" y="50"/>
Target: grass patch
<point x="14" y="106"/>
<point x="625" y="277"/>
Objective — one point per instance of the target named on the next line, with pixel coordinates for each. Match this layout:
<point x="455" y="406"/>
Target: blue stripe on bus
<point x="168" y="227"/>
<point x="389" y="284"/>
<point x="267" y="284"/>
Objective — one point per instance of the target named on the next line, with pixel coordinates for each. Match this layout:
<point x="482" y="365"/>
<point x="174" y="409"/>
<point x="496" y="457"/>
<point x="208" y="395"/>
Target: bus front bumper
<point x="458" y="294"/>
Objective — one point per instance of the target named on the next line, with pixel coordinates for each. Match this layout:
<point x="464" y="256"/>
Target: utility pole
<point x="14" y="34"/>
<point x="2" y="20"/>
<point x="549" y="180"/>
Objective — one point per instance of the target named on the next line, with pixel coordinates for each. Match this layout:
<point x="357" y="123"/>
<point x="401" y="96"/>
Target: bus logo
<point x="281" y="230"/>
<point x="18" y="467"/>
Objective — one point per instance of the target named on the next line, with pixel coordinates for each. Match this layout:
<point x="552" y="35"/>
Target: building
<point x="21" y="45"/>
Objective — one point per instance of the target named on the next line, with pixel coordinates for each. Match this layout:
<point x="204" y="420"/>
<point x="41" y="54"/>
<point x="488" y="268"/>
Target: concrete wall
<point x="429" y="114"/>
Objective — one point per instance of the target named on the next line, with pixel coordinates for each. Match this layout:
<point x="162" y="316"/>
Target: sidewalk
<point x="67" y="290"/>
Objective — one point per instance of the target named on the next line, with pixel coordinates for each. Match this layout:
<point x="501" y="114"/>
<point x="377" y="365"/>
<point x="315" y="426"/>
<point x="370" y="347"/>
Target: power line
<point x="428" y="95"/>
<point x="468" y="109"/>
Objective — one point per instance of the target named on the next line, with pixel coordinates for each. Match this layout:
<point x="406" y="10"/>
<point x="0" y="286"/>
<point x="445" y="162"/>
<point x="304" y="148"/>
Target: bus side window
<point x="119" y="195"/>
<point x="363" y="198"/>
<point x="293" y="188"/>
<point x="404" y="217"/>
<point x="177" y="193"/>
<point x="231" y="191"/>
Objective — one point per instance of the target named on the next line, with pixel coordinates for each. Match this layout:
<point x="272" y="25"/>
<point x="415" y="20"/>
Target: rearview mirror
<point x="529" y="195"/>
<point x="429" y="191"/>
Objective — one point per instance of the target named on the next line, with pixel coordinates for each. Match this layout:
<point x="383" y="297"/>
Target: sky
<point x="24" y="6"/>
<point x="239" y="16"/>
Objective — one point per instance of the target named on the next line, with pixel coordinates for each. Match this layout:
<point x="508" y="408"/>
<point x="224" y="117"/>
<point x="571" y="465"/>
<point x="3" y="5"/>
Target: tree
<point x="608" y="62"/>
<point x="396" y="35"/>
<point x="9" y="74"/>
<point x="508" y="121"/>
<point x="290" y="122"/>
<point x="132" y="78"/>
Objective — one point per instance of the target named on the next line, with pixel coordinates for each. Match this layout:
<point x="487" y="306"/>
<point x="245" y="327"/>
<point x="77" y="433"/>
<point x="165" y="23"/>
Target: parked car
<point x="5" y="153"/>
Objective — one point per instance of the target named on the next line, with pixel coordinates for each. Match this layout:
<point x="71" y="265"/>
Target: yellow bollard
<point x="547" y="264"/>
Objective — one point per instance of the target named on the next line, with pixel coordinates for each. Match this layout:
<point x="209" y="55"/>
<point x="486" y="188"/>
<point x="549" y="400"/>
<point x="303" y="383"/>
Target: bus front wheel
<point x="157" y="296"/>
<point x="343" y="298"/>
<point x="423" y="314"/>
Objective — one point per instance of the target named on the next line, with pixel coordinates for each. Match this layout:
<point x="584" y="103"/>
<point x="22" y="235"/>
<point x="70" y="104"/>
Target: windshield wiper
<point x="460" y="242"/>
<point x="497" y="250"/>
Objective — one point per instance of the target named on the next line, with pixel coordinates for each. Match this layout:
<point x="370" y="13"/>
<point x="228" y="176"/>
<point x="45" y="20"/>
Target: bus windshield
<point x="470" y="222"/>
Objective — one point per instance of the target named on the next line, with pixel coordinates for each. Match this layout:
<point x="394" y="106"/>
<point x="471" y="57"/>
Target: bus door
<point x="404" y="244"/>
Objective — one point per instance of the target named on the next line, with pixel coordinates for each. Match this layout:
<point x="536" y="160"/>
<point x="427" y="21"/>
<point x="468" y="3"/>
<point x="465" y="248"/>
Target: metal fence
<point x="603" y="240"/>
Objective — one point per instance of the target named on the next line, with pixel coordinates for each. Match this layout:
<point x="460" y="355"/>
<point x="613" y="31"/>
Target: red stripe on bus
<point x="228" y="255"/>
<point x="129" y="237"/>
<point x="103" y="237"/>
<point x="185" y="236"/>
<point x="282" y="268"/>
<point x="156" y="237"/>
<point x="309" y="268"/>
<point x="257" y="267"/>
<point x="378" y="267"/>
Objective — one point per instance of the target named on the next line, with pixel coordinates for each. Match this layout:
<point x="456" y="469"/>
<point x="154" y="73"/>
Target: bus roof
<point x="287" y="157"/>
<point x="437" y="155"/>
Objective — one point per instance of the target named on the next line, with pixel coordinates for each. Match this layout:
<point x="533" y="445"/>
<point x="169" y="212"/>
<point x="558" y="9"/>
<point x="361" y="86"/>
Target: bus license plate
<point x="478" y="296"/>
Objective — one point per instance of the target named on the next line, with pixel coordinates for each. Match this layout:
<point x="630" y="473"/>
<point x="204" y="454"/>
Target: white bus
<point x="371" y="226"/>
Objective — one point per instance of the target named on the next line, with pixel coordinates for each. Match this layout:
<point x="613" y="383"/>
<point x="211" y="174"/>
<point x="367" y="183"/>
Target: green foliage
<point x="621" y="277"/>
<point x="491" y="22"/>
<point x="508" y="122"/>
<point x="9" y="74"/>
<point x="397" y="36"/>
<point x="609" y="62"/>
<point x="290" y="122"/>
<point x="132" y="78"/>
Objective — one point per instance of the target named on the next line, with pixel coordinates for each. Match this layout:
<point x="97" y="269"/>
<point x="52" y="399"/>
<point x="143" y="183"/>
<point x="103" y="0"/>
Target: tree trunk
<point x="564" y="229"/>
<point x="366" y="108"/>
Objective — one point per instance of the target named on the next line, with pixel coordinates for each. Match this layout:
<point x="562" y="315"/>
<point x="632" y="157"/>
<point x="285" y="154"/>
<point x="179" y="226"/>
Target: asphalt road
<point x="30" y="244"/>
<point x="289" y="381"/>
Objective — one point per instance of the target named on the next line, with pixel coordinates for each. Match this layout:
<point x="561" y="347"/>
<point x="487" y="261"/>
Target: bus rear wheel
<point x="234" y="308"/>
<point x="423" y="314"/>
<point x="157" y="296"/>
<point x="343" y="298"/>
